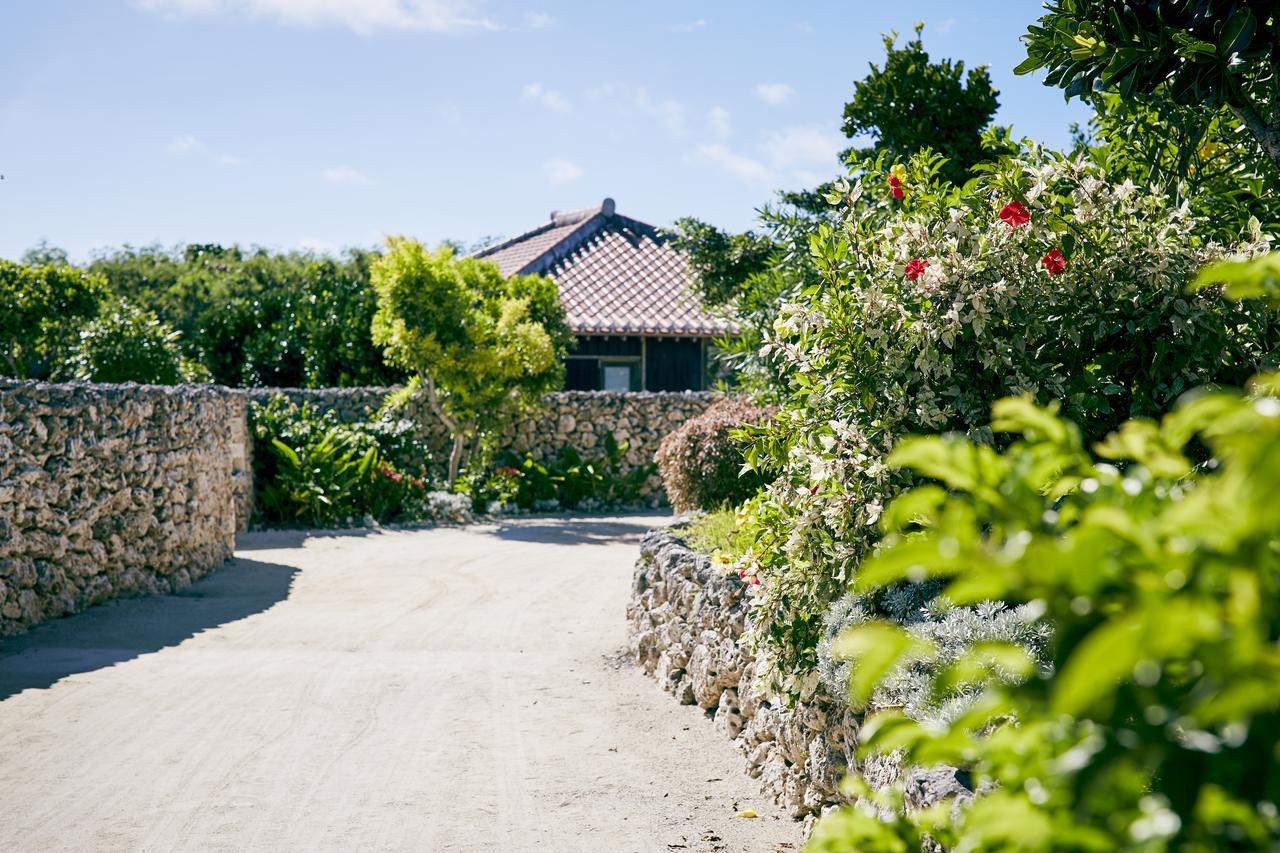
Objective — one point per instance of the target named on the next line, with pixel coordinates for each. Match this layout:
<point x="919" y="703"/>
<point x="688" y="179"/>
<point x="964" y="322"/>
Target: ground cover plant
<point x="1150" y="719"/>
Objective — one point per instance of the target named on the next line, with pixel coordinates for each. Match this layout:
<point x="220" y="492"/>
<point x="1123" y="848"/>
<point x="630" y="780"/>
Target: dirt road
<point x="455" y="689"/>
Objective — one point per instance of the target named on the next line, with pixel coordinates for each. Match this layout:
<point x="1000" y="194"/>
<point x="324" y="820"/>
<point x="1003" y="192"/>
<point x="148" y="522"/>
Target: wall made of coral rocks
<point x="687" y="623"/>
<point x="114" y="490"/>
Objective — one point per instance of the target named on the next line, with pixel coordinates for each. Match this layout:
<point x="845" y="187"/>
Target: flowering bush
<point x="1038" y="277"/>
<point x="701" y="461"/>
<point x="1150" y="719"/>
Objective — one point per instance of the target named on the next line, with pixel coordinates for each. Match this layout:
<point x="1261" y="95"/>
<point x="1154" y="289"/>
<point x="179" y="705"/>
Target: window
<point x="617" y="377"/>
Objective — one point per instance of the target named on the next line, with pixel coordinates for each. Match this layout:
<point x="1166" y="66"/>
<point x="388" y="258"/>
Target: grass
<point x="715" y="530"/>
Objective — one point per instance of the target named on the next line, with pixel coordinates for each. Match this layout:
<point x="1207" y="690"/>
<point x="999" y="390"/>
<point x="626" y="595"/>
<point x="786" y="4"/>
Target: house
<point x="627" y="297"/>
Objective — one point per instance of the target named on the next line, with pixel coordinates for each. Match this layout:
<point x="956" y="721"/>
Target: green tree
<point x="41" y="311"/>
<point x="911" y="103"/>
<point x="1204" y="157"/>
<point x="127" y="344"/>
<point x="1205" y="53"/>
<point x="719" y="260"/>
<point x="482" y="347"/>
<point x="257" y="318"/>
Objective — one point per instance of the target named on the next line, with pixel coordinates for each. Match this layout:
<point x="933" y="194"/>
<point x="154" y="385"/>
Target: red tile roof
<point x="617" y="275"/>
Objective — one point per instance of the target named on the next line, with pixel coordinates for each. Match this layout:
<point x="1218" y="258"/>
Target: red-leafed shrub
<point x="701" y="463"/>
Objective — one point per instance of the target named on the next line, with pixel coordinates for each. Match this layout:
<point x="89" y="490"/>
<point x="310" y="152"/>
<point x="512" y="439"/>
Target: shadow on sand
<point x="124" y="629"/>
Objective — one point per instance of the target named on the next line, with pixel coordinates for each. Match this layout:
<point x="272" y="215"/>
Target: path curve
<point x="452" y="689"/>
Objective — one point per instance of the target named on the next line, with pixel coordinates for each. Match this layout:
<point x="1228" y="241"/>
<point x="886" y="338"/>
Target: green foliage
<point x="485" y="347"/>
<point x="870" y="353"/>
<point x="1209" y="53"/>
<point x="702" y="463"/>
<point x="42" y="309"/>
<point x="721" y="262"/>
<point x="913" y="103"/>
<point x="312" y="470"/>
<point x="1201" y="156"/>
<point x="1151" y="719"/>
<point x="127" y="344"/>
<point x="1256" y="278"/>
<point x="712" y="531"/>
<point x="569" y="480"/>
<point x="254" y="318"/>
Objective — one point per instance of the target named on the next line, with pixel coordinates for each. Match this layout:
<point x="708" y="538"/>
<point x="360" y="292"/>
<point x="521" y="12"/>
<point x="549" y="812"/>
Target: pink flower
<point x="1014" y="215"/>
<point x="1054" y="262"/>
<point x="915" y="268"/>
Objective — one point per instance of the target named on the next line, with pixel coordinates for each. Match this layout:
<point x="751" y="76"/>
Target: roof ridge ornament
<point x="561" y="218"/>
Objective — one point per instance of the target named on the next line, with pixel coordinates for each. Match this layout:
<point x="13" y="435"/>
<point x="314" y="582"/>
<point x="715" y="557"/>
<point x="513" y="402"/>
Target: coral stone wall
<point x="113" y="490"/>
<point x="579" y="419"/>
<point x="687" y="622"/>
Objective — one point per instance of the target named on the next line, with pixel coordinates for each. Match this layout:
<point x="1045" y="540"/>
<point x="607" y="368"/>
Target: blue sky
<point x="331" y="123"/>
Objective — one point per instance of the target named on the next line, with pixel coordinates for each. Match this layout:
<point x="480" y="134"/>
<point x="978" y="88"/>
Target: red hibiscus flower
<point x="1014" y="215"/>
<point x="895" y="187"/>
<point x="915" y="268"/>
<point x="1054" y="262"/>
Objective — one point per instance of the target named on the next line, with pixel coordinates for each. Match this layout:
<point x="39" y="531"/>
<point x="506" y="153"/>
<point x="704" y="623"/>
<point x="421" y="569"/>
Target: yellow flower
<point x="899" y="171"/>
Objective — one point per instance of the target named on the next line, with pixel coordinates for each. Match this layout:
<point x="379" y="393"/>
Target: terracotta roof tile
<point x="616" y="275"/>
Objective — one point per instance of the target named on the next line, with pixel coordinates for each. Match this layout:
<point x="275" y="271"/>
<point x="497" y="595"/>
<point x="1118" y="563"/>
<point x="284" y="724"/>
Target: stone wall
<point x="113" y="490"/>
<point x="687" y="623"/>
<point x="580" y="419"/>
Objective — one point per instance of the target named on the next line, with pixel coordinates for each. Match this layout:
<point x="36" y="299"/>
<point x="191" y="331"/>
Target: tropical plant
<point x="701" y="461"/>
<point x="1150" y="720"/>
<point x="568" y="480"/>
<point x="1205" y="53"/>
<point x="42" y="309"/>
<point x="482" y="347"/>
<point x="311" y="469"/>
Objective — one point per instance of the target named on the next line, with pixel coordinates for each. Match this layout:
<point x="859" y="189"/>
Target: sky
<point x="323" y="124"/>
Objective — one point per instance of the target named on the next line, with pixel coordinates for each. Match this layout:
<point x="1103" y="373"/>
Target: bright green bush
<point x="701" y="461"/>
<point x="482" y="346"/>
<point x="42" y="309"/>
<point x="1151" y="719"/>
<point x="312" y="470"/>
<point x="126" y="344"/>
<point x="1039" y="276"/>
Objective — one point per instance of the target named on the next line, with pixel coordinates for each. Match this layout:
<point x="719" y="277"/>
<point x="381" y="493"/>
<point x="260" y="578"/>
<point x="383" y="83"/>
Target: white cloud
<point x="689" y="26"/>
<point x="552" y="99"/>
<point x="636" y="100"/>
<point x="802" y="27"/>
<point x="538" y="20"/>
<point x="184" y="145"/>
<point x="720" y="122"/>
<point x="803" y="146"/>
<point x="946" y="26"/>
<point x="345" y="176"/>
<point x="774" y="94"/>
<point x="561" y="171"/>
<point x="229" y="160"/>
<point x="319" y="247"/>
<point x="738" y="165"/>
<point x="361" y="16"/>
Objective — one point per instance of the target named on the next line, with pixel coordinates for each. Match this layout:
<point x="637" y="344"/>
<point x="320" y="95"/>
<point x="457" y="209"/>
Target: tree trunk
<point x="455" y="457"/>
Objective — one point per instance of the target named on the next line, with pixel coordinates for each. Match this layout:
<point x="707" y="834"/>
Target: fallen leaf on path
<point x="748" y="813"/>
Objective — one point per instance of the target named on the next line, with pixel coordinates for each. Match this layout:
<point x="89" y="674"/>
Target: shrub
<point x="701" y="461"/>
<point x="126" y="344"/>
<point x="1038" y="277"/>
<point x="311" y="469"/>
<point x="568" y="480"/>
<point x="1150" y="720"/>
